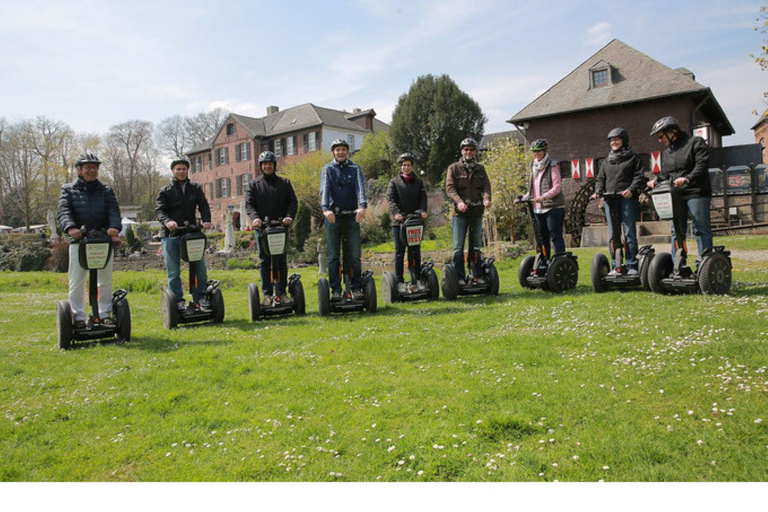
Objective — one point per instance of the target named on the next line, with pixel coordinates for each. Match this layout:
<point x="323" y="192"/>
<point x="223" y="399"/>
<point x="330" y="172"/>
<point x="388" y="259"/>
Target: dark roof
<point x="490" y="139"/>
<point x="635" y="77"/>
<point x="205" y="146"/>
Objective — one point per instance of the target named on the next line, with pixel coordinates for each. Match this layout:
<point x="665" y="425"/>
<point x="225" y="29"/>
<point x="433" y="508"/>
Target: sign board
<point x="655" y="162"/>
<point x="589" y="164"/>
<point x="575" y="169"/>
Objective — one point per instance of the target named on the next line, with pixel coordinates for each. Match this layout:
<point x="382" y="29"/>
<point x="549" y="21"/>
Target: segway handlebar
<point x="271" y="223"/>
<point x="339" y="211"/>
<point x="186" y="228"/>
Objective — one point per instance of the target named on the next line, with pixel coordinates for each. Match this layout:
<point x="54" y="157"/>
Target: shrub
<point x="23" y="255"/>
<point x="59" y="259"/>
<point x="240" y="264"/>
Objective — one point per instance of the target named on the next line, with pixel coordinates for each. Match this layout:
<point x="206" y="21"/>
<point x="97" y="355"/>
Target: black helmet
<point x="267" y="156"/>
<point x="619" y="132"/>
<point x="181" y="160"/>
<point x="87" y="158"/>
<point x="469" y="141"/>
<point x="406" y="156"/>
<point x="539" y="145"/>
<point x="664" y="124"/>
<point x="339" y="142"/>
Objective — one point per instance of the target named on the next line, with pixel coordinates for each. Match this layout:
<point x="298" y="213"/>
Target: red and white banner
<point x="589" y="165"/>
<point x="575" y="169"/>
<point x="655" y="162"/>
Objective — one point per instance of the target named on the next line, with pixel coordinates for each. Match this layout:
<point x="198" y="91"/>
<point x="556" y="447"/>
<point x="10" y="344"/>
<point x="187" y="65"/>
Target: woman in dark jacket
<point x="622" y="172"/>
<point x="406" y="195"/>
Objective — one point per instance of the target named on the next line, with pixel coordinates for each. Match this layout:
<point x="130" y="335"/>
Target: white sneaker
<point x="421" y="286"/>
<point x="613" y="273"/>
<point x="401" y="288"/>
<point x="632" y="272"/>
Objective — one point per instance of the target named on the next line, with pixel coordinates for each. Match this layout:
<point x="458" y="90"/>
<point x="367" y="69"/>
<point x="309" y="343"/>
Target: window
<point x="224" y="187"/>
<point x="600" y="77"/>
<point x="218" y="188"/>
<point x="199" y="164"/>
<point x="222" y="156"/>
<point x="291" y="148"/>
<point x="210" y="162"/>
<point x="241" y="183"/>
<point x="305" y="143"/>
<point x="231" y="129"/>
<point x="313" y="141"/>
<point x="246" y="151"/>
<point x="278" y="148"/>
<point x="351" y="140"/>
<point x="210" y="190"/>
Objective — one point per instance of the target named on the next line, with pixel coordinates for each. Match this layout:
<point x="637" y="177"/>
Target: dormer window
<point x="599" y="78"/>
<point x="231" y="129"/>
<point x="600" y="75"/>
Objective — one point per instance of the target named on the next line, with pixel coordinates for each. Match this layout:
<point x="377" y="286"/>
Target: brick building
<point x="227" y="163"/>
<point x="761" y="134"/>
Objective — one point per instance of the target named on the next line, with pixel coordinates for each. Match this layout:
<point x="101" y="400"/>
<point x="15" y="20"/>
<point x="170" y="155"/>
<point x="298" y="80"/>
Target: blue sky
<point x="93" y="64"/>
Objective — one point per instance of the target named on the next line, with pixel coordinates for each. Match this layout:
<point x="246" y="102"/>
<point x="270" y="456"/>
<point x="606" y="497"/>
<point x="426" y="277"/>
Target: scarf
<point x="407" y="177"/>
<point x="469" y="164"/>
<point x="625" y="153"/>
<point x="540" y="165"/>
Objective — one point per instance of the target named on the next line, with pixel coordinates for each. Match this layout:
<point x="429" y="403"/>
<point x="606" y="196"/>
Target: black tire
<point x="254" y="302"/>
<point x="64" y="324"/>
<point x="324" y="297"/>
<point x="714" y="274"/>
<point x="645" y="265"/>
<point x="217" y="304"/>
<point x="389" y="288"/>
<point x="434" y="285"/>
<point x="169" y="309"/>
<point x="370" y="295"/>
<point x="299" y="301"/>
<point x="493" y="280"/>
<point x="449" y="282"/>
<point x="563" y="274"/>
<point x="123" y="319"/>
<point x="661" y="267"/>
<point x="599" y="269"/>
<point x="525" y="270"/>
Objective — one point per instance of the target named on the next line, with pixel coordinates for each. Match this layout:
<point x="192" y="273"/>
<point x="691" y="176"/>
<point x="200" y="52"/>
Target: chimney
<point x="356" y="110"/>
<point x="272" y="109"/>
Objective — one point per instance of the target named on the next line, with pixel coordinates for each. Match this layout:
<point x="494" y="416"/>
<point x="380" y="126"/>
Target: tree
<point x="203" y="126"/>
<point x="507" y="165"/>
<point x="431" y="120"/>
<point x="172" y="136"/>
<point x="762" y="57"/>
<point x="304" y="174"/>
<point x="376" y="156"/>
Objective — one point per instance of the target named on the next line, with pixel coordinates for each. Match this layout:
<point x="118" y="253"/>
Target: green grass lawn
<point x="525" y="386"/>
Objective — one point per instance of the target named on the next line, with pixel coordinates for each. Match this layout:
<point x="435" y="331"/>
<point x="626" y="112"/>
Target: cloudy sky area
<point x="93" y="64"/>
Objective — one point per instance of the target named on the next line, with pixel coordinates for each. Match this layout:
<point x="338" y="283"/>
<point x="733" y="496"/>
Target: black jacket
<point x="92" y="205"/>
<point x="173" y="204"/>
<point x="405" y="198"/>
<point x="618" y="175"/>
<point x="688" y="157"/>
<point x="271" y="196"/>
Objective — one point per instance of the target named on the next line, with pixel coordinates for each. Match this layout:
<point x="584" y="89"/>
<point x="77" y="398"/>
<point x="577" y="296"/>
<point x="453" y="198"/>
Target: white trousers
<point x="78" y="279"/>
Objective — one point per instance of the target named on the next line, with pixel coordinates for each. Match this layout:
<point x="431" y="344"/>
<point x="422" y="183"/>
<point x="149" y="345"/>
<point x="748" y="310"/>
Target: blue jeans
<point x="265" y="268"/>
<point x="172" y="256"/>
<point x="551" y="227"/>
<point x="347" y="230"/>
<point x="414" y="257"/>
<point x="699" y="210"/>
<point x="462" y="224"/>
<point x="629" y="212"/>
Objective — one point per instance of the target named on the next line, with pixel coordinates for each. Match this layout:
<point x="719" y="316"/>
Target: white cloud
<point x="598" y="35"/>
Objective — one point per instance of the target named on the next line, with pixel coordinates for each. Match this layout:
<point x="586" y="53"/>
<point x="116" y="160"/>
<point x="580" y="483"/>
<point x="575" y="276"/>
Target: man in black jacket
<point x="271" y="197"/>
<point x="88" y="202"/>
<point x="175" y="205"/>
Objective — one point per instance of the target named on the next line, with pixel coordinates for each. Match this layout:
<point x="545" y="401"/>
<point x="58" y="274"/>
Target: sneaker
<point x="181" y="304"/>
<point x="632" y="272"/>
<point x="480" y="280"/>
<point x="204" y="304"/>
<point x="462" y="282"/>
<point x="108" y="321"/>
<point x="267" y="302"/>
<point x="613" y="273"/>
<point x="284" y="299"/>
<point x="358" y="294"/>
<point x="401" y="288"/>
<point x="79" y="324"/>
<point x="336" y="296"/>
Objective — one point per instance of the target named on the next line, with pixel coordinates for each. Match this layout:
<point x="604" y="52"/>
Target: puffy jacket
<point x="463" y="184"/>
<point x="271" y="196"/>
<point x="405" y="198"/>
<point x="688" y="157"/>
<point x="617" y="175"/>
<point x="342" y="186"/>
<point x="179" y="206"/>
<point x="92" y="205"/>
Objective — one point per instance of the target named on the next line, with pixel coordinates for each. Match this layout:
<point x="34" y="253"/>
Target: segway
<point x="93" y="254"/>
<point x="192" y="246"/>
<point x="557" y="273"/>
<point x="347" y="303"/>
<point x="423" y="283"/>
<point x="673" y="275"/>
<point x="486" y="282"/>
<point x="275" y="237"/>
<point x="602" y="278"/>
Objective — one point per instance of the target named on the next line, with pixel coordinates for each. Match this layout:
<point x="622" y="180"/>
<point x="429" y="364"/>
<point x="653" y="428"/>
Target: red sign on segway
<point x="413" y="234"/>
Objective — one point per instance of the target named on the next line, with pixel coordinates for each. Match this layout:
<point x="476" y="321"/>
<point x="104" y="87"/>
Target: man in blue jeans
<point x="175" y="205"/>
<point x="342" y="189"/>
<point x="685" y="162"/>
<point x="469" y="188"/>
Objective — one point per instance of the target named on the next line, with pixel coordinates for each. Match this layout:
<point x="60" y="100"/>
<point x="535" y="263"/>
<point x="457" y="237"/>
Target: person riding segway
<point x="272" y="204"/>
<point x="89" y="213"/>
<point x="407" y="201"/>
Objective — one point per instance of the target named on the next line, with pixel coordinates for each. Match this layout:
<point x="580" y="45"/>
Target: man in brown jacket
<point x="469" y="188"/>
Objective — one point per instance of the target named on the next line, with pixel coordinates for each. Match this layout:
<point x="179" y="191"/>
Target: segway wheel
<point x="525" y="270"/>
<point x="389" y="288"/>
<point x="217" y="304"/>
<point x="299" y="301"/>
<point x="493" y="280"/>
<point x="123" y="318"/>
<point x="563" y="274"/>
<point x="598" y="271"/>
<point x="64" y="324"/>
<point x="170" y="310"/>
<point x="449" y="282"/>
<point x="324" y="297"/>
<point x="254" y="302"/>
<point x="661" y="267"/>
<point x="645" y="265"/>
<point x="370" y="295"/>
<point x="714" y="274"/>
<point x="434" y="285"/>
